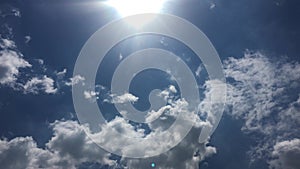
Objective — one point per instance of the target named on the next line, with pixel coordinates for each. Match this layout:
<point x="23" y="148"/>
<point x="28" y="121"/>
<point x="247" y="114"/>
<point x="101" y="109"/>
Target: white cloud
<point x="172" y="89"/>
<point x="198" y="71"/>
<point x="120" y="56"/>
<point x="75" y="80"/>
<point x="6" y="43"/>
<point x="187" y="154"/>
<point x="27" y="39"/>
<point x="168" y="94"/>
<point x="265" y="94"/>
<point x="40" y="61"/>
<point x="70" y="141"/>
<point x="62" y="73"/>
<point x="22" y="152"/>
<point x="16" y="12"/>
<point x="212" y="5"/>
<point x="91" y="95"/>
<point x="10" y="11"/>
<point x="68" y="148"/>
<point x="70" y="145"/>
<point x="125" y="98"/>
<point x="286" y="154"/>
<point x="36" y="84"/>
<point x="10" y="63"/>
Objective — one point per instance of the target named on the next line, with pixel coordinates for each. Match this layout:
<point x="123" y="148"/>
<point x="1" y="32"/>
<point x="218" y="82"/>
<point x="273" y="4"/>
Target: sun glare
<point x="132" y="7"/>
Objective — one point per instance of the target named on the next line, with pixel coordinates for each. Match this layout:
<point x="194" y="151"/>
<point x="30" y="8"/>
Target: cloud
<point x="36" y="84"/>
<point x="7" y="44"/>
<point x="75" y="80"/>
<point x="265" y="94"/>
<point x="91" y="95"/>
<point x="121" y="56"/>
<point x="212" y="5"/>
<point x="169" y="93"/>
<point x="172" y="89"/>
<point x="286" y="154"/>
<point x="198" y="71"/>
<point x="62" y="73"/>
<point x="125" y="98"/>
<point x="68" y="148"/>
<point x="10" y="11"/>
<point x="187" y="154"/>
<point x="22" y="152"/>
<point x="27" y="39"/>
<point x="10" y="63"/>
<point x="71" y="141"/>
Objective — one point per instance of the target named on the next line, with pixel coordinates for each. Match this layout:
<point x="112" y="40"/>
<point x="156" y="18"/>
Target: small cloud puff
<point x="36" y="84"/>
<point x="75" y="80"/>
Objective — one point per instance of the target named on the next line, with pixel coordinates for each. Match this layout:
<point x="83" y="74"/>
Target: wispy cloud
<point x="264" y="93"/>
<point x="27" y="39"/>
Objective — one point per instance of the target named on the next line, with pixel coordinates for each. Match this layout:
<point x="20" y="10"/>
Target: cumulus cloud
<point x="75" y="80"/>
<point x="286" y="154"/>
<point x="169" y="93"/>
<point x="22" y="152"/>
<point x="187" y="154"/>
<point x="10" y="63"/>
<point x="124" y="98"/>
<point x="37" y="84"/>
<point x="91" y="95"/>
<point x="265" y="94"/>
<point x="68" y="148"/>
<point x="7" y="43"/>
<point x="70" y="141"/>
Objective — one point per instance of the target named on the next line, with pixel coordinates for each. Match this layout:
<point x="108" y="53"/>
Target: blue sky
<point x="257" y="42"/>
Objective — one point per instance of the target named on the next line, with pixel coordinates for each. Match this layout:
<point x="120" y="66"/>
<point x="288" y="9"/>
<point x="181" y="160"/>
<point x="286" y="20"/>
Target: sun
<point x="132" y="7"/>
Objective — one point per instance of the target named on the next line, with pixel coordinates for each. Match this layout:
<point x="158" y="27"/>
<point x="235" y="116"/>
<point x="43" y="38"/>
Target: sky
<point x="257" y="42"/>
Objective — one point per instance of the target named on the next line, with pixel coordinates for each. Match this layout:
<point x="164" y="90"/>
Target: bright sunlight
<point x="131" y="7"/>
